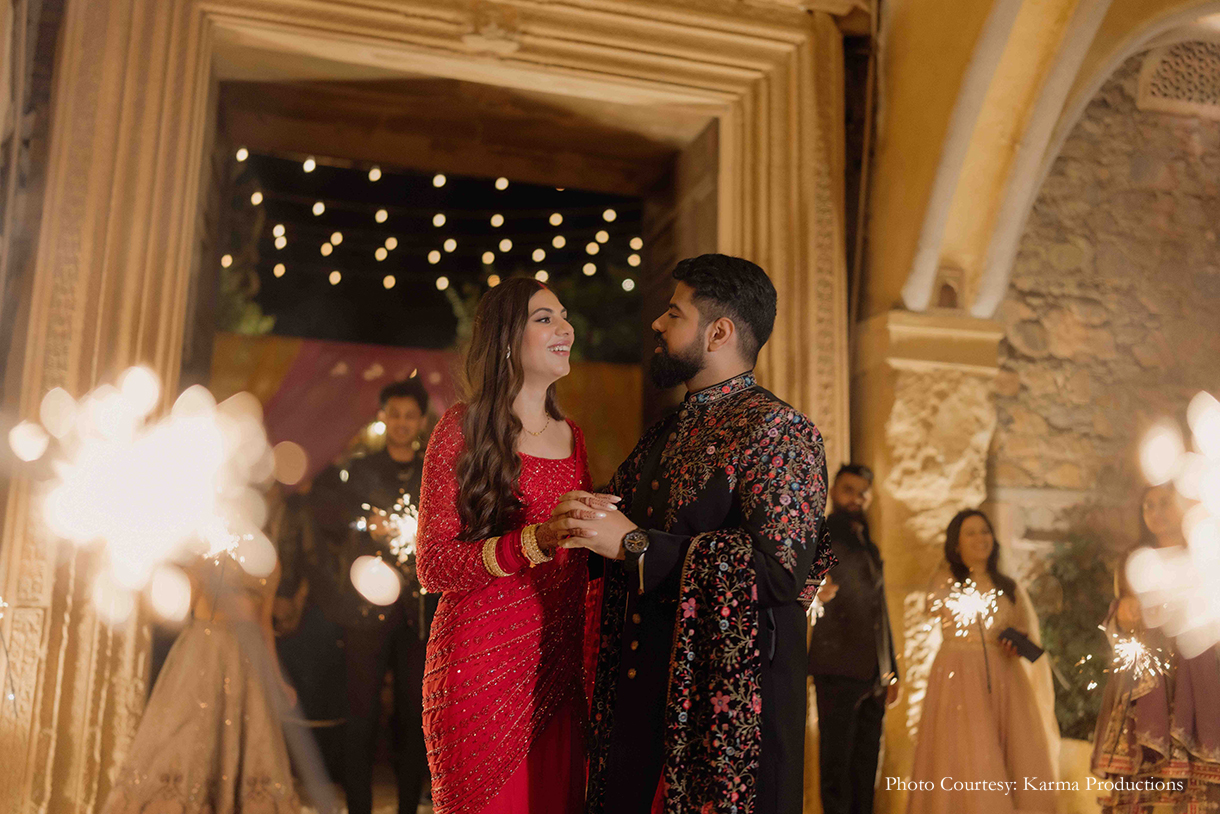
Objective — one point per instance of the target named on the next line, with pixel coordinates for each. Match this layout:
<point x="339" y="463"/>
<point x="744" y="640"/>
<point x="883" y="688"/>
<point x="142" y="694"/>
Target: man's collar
<point x="725" y="389"/>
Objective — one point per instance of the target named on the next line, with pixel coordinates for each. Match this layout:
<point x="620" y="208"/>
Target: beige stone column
<point x="923" y="418"/>
<point x="113" y="260"/>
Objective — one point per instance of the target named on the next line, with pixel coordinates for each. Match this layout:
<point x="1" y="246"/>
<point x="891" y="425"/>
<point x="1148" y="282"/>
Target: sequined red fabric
<point x="505" y="653"/>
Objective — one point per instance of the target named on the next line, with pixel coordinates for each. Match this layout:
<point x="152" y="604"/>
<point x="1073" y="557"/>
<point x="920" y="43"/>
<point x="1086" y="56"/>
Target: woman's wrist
<point x="531" y="547"/>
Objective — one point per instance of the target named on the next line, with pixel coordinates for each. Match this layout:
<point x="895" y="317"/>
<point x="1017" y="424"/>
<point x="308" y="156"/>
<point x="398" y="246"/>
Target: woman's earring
<point x="509" y="354"/>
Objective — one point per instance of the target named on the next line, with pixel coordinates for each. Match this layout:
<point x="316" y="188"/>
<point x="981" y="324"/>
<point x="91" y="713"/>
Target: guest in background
<point x="210" y="738"/>
<point x="392" y="638"/>
<point x="308" y="639"/>
<point x="851" y="652"/>
<point x="1162" y="724"/>
<point x="988" y="716"/>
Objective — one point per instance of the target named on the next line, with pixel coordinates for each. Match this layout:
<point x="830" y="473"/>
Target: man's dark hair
<point x="859" y="470"/>
<point x="731" y="287"/>
<point x="410" y="388"/>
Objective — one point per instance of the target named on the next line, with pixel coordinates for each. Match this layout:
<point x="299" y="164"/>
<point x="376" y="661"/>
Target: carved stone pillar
<point x="923" y="420"/>
<point x="109" y="282"/>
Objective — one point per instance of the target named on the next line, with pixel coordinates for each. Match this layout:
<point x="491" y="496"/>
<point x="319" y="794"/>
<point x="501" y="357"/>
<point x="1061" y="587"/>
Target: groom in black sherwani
<point x="713" y="554"/>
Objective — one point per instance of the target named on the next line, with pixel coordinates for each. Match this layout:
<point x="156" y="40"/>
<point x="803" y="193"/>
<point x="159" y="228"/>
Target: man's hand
<point x="571" y="509"/>
<point x="602" y="535"/>
<point x="828" y="590"/>
<point x="377" y="527"/>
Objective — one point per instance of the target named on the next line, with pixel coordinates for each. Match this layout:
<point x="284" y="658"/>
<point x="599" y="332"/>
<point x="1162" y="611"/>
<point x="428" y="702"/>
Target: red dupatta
<point x="504" y="653"/>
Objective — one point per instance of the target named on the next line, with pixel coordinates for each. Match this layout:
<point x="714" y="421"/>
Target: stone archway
<point x="119" y="245"/>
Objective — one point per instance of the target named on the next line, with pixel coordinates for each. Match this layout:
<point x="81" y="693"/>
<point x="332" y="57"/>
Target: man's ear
<point x="720" y="334"/>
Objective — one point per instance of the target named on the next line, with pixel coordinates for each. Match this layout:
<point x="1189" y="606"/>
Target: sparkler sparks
<point x="151" y="491"/>
<point x="371" y="576"/>
<point x="969" y="607"/>
<point x="1136" y="658"/>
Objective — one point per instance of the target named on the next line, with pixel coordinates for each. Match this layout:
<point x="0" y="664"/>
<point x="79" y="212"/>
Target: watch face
<point x="635" y="541"/>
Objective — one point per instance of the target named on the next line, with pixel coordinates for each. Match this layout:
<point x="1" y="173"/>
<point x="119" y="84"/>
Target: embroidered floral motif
<point x="771" y="460"/>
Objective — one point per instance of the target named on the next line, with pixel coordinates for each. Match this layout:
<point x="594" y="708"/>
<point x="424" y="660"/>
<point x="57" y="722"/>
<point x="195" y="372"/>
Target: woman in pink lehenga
<point x="988" y="717"/>
<point x="210" y="741"/>
<point x="1161" y="725"/>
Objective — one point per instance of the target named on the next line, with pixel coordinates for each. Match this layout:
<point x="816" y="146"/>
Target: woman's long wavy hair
<point x="489" y="469"/>
<point x="953" y="554"/>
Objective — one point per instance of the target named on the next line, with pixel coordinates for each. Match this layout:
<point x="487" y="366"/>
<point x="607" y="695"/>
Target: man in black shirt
<point x="390" y="638"/>
<point x="851" y="653"/>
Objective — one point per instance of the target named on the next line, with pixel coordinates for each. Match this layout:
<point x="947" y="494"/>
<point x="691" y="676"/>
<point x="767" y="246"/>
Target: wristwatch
<point x="636" y="541"/>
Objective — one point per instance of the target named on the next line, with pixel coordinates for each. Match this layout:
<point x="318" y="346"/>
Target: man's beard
<point x="672" y="369"/>
<point x="852" y="514"/>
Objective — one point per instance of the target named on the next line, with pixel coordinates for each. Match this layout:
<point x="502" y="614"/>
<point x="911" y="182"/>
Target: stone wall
<point x="1112" y="318"/>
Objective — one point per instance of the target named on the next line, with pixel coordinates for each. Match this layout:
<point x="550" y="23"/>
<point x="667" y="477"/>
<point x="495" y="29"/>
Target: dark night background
<point x="414" y="312"/>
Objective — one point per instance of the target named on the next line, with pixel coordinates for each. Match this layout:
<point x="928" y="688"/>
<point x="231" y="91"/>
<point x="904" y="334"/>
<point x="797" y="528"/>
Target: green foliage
<point x="1073" y="596"/>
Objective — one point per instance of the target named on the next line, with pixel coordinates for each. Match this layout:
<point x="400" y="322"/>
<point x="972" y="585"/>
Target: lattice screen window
<point x="1183" y="79"/>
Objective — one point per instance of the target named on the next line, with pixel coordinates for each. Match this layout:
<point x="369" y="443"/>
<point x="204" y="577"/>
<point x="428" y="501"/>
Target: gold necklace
<point x="541" y="431"/>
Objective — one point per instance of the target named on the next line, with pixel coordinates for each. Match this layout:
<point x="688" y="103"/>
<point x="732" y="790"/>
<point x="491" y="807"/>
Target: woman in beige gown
<point x="210" y="740"/>
<point x="983" y="730"/>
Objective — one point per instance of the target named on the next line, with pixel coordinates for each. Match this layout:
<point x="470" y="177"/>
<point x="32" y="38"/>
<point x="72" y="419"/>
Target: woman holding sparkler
<point x="503" y="697"/>
<point x="979" y="737"/>
<point x="210" y="739"/>
<point x="1160" y="712"/>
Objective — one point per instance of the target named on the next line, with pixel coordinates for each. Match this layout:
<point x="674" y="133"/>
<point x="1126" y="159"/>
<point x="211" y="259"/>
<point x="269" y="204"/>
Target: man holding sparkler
<point x="393" y="638"/>
<point x="851" y="653"/>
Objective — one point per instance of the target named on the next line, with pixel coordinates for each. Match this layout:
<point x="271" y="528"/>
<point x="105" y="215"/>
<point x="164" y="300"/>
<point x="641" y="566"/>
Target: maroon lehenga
<point x="1162" y="727"/>
<point x="504" y="701"/>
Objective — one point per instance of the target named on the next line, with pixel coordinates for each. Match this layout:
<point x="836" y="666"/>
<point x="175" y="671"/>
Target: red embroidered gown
<point x="503" y="695"/>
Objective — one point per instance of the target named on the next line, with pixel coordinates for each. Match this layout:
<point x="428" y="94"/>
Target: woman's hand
<point x="567" y="514"/>
<point x="1009" y="647"/>
<point x="1128" y="614"/>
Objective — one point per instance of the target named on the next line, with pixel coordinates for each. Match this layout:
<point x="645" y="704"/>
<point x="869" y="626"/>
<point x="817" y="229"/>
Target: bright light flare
<point x="1160" y="453"/>
<point x="1203" y="415"/>
<point x="141" y="389"/>
<point x="375" y="580"/>
<point x="57" y="412"/>
<point x="112" y="601"/>
<point x="169" y="592"/>
<point x="148" y="492"/>
<point x="28" y="441"/>
<point x="291" y="462"/>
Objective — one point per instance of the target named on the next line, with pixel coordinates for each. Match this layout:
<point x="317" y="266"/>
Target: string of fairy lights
<point x="469" y="236"/>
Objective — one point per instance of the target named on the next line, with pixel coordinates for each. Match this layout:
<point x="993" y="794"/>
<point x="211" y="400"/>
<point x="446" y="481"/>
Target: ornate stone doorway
<point x="121" y="240"/>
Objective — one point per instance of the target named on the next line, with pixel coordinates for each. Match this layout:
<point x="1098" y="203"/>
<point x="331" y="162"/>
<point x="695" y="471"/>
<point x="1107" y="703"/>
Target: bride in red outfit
<point x="503" y="697"/>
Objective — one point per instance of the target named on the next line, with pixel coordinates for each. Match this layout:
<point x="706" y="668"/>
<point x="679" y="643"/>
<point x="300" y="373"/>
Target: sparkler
<point x="149" y="491"/>
<point x="1134" y="662"/>
<point x="402" y="522"/>
<point x="371" y="576"/>
<point x="969" y="607"/>
<point x="1137" y="659"/>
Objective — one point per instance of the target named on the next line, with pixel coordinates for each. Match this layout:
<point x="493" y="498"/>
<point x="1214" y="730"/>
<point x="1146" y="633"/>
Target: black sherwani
<point x="735" y="459"/>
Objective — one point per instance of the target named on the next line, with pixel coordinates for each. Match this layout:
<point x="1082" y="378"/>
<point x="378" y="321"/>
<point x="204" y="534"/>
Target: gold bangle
<point x="490" y="562"/>
<point x="529" y="546"/>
